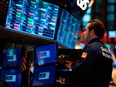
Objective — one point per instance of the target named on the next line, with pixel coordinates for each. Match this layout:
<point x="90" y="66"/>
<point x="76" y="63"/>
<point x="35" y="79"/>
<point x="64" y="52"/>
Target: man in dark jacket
<point x="95" y="66"/>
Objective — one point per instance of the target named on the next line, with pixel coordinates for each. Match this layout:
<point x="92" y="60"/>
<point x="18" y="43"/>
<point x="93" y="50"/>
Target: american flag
<point x="23" y="64"/>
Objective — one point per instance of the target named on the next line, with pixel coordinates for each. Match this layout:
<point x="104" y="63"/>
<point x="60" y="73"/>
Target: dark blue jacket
<point x="94" y="68"/>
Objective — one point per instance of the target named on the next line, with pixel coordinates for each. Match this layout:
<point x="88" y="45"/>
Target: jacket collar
<point x="94" y="39"/>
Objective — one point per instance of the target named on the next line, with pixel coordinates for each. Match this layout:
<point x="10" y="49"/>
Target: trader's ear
<point x="92" y="31"/>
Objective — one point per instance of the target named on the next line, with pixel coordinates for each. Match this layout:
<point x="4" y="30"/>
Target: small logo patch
<point x="84" y="55"/>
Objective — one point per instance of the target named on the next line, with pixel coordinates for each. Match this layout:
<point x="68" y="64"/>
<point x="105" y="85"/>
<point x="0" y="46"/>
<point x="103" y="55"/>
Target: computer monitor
<point x="45" y="54"/>
<point x="12" y="77"/>
<point x="112" y="34"/>
<point x="34" y="17"/>
<point x="12" y="57"/>
<point x="44" y="76"/>
<point x="68" y="30"/>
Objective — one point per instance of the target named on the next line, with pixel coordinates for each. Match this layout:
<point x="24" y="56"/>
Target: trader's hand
<point x="68" y="64"/>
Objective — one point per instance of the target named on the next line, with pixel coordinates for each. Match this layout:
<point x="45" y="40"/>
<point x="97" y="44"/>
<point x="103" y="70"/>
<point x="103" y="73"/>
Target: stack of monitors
<point x="35" y="17"/>
<point x="12" y="57"/>
<point x="12" y="77"/>
<point x="3" y="11"/>
<point x="45" y="65"/>
<point x="68" y="31"/>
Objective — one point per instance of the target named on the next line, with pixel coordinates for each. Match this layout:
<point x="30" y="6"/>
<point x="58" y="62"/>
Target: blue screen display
<point x="69" y="29"/>
<point x="46" y="54"/>
<point x="12" y="57"/>
<point x="12" y="77"/>
<point x="35" y="17"/>
<point x="44" y="76"/>
<point x="112" y="34"/>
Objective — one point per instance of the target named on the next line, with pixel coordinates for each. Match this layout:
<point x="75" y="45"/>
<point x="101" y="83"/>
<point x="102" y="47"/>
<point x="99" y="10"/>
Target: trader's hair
<point x="98" y="27"/>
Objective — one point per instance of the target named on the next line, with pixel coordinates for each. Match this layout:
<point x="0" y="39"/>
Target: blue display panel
<point x="12" y="77"/>
<point x="112" y="34"/>
<point x="46" y="54"/>
<point x="35" y="17"/>
<point x="69" y="29"/>
<point x="12" y="57"/>
<point x="44" y="76"/>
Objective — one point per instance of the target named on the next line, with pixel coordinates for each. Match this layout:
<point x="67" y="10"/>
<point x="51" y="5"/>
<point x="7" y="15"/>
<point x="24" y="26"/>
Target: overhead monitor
<point x="35" y="17"/>
<point x="68" y="31"/>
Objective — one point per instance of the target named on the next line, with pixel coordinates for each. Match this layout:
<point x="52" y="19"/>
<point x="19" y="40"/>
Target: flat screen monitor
<point x="12" y="57"/>
<point x="68" y="30"/>
<point x="12" y="77"/>
<point x="112" y="34"/>
<point x="44" y="76"/>
<point x="35" y="17"/>
<point x="45" y="54"/>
